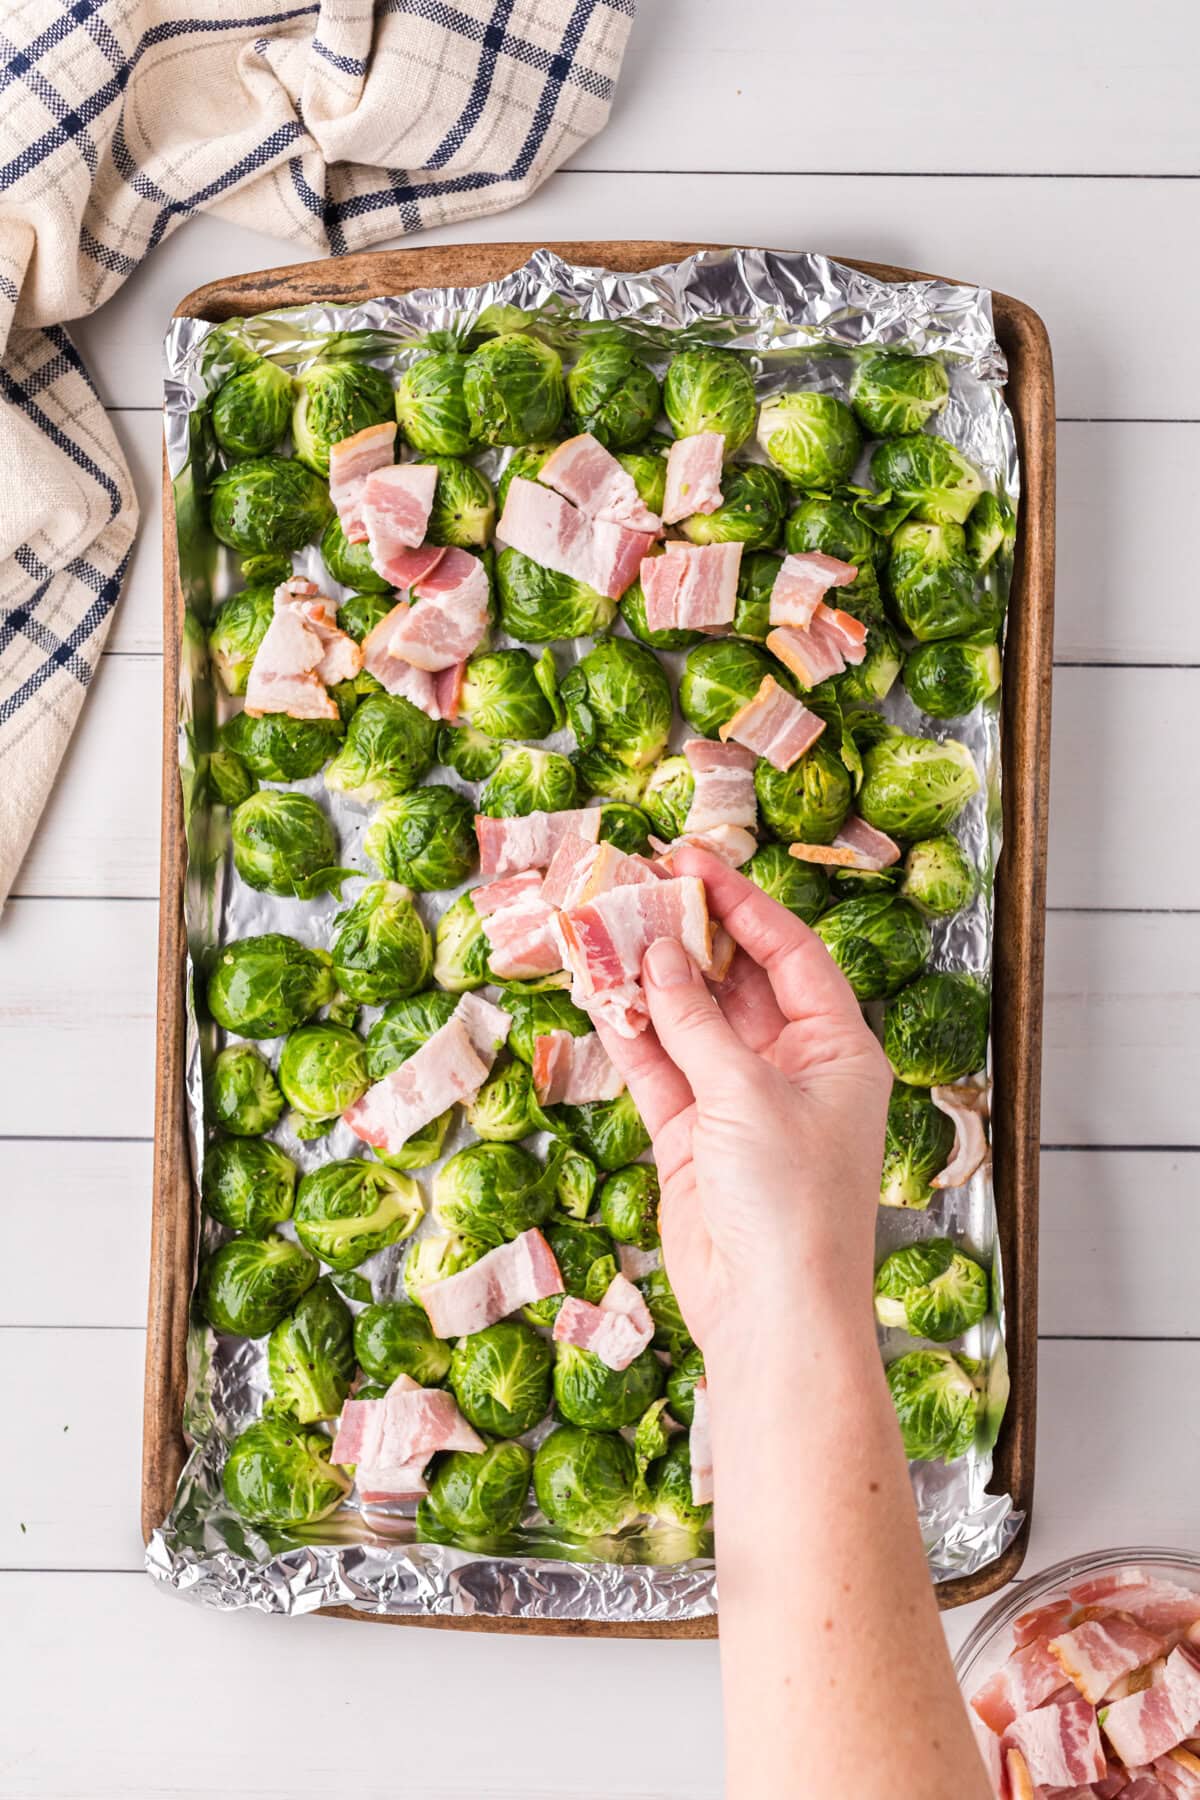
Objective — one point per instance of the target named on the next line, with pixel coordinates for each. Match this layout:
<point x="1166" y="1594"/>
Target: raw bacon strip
<point x="494" y="896"/>
<point x="504" y="1280"/>
<point x="351" y="460"/>
<point x="1060" y="1744"/>
<point x="810" y="659"/>
<point x="694" y="475"/>
<point x="578" y="871"/>
<point x="591" y="478"/>
<point x="405" y="568"/>
<point x="1179" y="1773"/>
<point x="723" y="794"/>
<point x="507" y="846"/>
<point x="856" y="846"/>
<point x="548" y="529"/>
<point x="607" y="938"/>
<point x="1146" y="1725"/>
<point x="966" y="1103"/>
<point x="283" y="677"/>
<point x="573" y="1071"/>
<point x="700" y="1446"/>
<point x="452" y="1065"/>
<point x="847" y="632"/>
<point x="662" y="578"/>
<point x="802" y="583"/>
<point x="451" y="619"/>
<point x="341" y="657"/>
<point x="775" y="725"/>
<point x="1042" y="1622"/>
<point x="706" y="597"/>
<point x="389" y="1441"/>
<point x="617" y="1331"/>
<point x="518" y="923"/>
<point x="396" y="504"/>
<point x="1099" y="1652"/>
<point x="447" y="690"/>
<point x="1161" y="1606"/>
<point x="732" y="843"/>
<point x="393" y="673"/>
<point x="1026" y="1681"/>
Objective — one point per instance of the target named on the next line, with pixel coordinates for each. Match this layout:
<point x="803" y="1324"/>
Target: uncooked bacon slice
<point x="573" y="1071"/>
<point x="1026" y="1681"/>
<point x="700" y="1445"/>
<point x="408" y="568"/>
<point x="579" y="870"/>
<point x="694" y="475"/>
<point x="395" y="504"/>
<point x="775" y="725"/>
<point x="389" y="1441"/>
<point x="706" y="598"/>
<point x="451" y="1065"/>
<point x="802" y="583"/>
<point x="591" y="478"/>
<point x="1042" y="1622"/>
<point x="607" y="938"/>
<point x="1179" y="1773"/>
<point x="966" y="1104"/>
<point x="447" y="690"/>
<point x="1149" y="1724"/>
<point x="394" y="673"/>
<point x="1098" y="1652"/>
<point x="448" y="624"/>
<point x="519" y="926"/>
<point x="856" y="846"/>
<point x="351" y="460"/>
<point x="841" y="632"/>
<point x="616" y="1331"/>
<point x="548" y="529"/>
<point x="662" y="578"/>
<point x="283" y="677"/>
<point x="515" y="1275"/>
<point x="723" y="786"/>
<point x="1060" y="1744"/>
<point x="508" y="846"/>
<point x="341" y="657"/>
<point x="810" y="657"/>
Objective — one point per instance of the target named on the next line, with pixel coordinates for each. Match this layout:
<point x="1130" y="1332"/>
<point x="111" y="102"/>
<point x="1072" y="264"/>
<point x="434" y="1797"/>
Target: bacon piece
<point x="393" y="673"/>
<point x="843" y="630"/>
<point x="451" y="1065"/>
<point x="518" y="923"/>
<point x="705" y="598"/>
<point x="1020" y="1782"/>
<point x="809" y="657"/>
<point x="1026" y="1681"/>
<point x="856" y="846"/>
<point x="694" y="467"/>
<point x="723" y="787"/>
<point x="1060" y="1744"/>
<point x="514" y="1275"/>
<point x="574" y="1071"/>
<point x="495" y="896"/>
<point x="395" y="504"/>
<point x="802" y="583"/>
<point x="1161" y="1606"/>
<point x="775" y="725"/>
<point x="1146" y="1725"/>
<point x="732" y="843"/>
<point x="966" y="1103"/>
<point x="662" y="578"/>
<point x="607" y="938"/>
<point x="578" y="871"/>
<point x="1179" y="1773"/>
<point x="389" y="1441"/>
<point x="617" y="1331"/>
<point x="542" y="525"/>
<point x="1042" y="1622"/>
<point x="1097" y="1653"/>
<point x="451" y="619"/>
<point x="447" y="690"/>
<point x="405" y="568"/>
<point x="507" y="846"/>
<point x="341" y="657"/>
<point x="351" y="460"/>
<point x="700" y="1445"/>
<point x="591" y="478"/>
<point x="284" y="674"/>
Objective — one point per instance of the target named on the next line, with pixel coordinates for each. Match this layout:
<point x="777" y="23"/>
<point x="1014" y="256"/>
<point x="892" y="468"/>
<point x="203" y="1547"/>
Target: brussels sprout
<point x="808" y="803"/>
<point x="262" y="986"/>
<point x="856" y="884"/>
<point x="802" y="887"/>
<point x="506" y="1107"/>
<point x="279" y="1474"/>
<point x="310" y="1356"/>
<point x="753" y="502"/>
<point x="248" y="1185"/>
<point x="939" y="876"/>
<point x="476" y="1494"/>
<point x="586" y="1261"/>
<point x="425" y="839"/>
<point x="719" y="678"/>
<point x="238" y="628"/>
<point x="528" y="780"/>
<point x="878" y="942"/>
<point x="670" y="1330"/>
<point x="335" y="400"/>
<point x="493" y="1191"/>
<point x="323" y="1070"/>
<point x="947" y="680"/>
<point x="577" y="1180"/>
<point x="648" y="467"/>
<point x="276" y="748"/>
<point x="346" y="1211"/>
<point x="587" y="1392"/>
<point x="266" y="571"/>
<point x="633" y="611"/>
<point x="381" y="946"/>
<point x="229" y="780"/>
<point x="284" y="844"/>
<point x="270" y="504"/>
<point x="250" y="411"/>
<point x="461" y="948"/>
<point x="502" y="696"/>
<point x="394" y="1337"/>
<point x="358" y="615"/>
<point x="629" y="1206"/>
<point x="527" y="462"/>
<point x="514" y="390"/>
<point x="539" y="605"/>
<point x="469" y="752"/>
<point x="813" y="438"/>
<point x="618" y="700"/>
<point x="914" y="787"/>
<point x="611" y="1132"/>
<point x="584" y="1481"/>
<point x="895" y="393"/>
<point x="928" y="476"/>
<point x="917" y="1147"/>
<point x="430" y="407"/>
<point x="599" y="772"/>
<point x="537" y="1011"/>
<point x="828" y="523"/>
<point x="351" y="566"/>
<point x="243" y="1094"/>
<point x="931" y="1290"/>
<point x="756" y="579"/>
<point x="612" y="395"/>
<point x="667" y="796"/>
<point x="501" y="1378"/>
<point x="681" y="1386"/>
<point x="875" y="676"/>
<point x="625" y="826"/>
<point x="990" y="530"/>
<point x="389" y="746"/>
<point x="710" y="390"/>
<point x="936" y="1031"/>
<point x="933" y="583"/>
<point x="436" y="1259"/>
<point x="938" y="1402"/>
<point x="423" y="1147"/>
<point x="464" y="506"/>
<point x="669" y="1490"/>
<point x="247" y="1286"/>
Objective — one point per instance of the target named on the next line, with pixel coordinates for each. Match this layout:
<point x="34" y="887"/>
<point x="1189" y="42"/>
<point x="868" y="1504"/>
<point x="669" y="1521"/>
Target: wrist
<point x="782" y="1335"/>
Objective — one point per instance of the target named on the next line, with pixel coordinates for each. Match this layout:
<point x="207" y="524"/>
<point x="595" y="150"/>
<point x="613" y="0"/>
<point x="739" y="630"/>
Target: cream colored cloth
<point x="334" y="125"/>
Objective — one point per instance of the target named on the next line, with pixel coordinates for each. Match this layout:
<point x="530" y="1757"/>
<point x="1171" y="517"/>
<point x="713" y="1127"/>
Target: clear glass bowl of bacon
<point x="1085" y="1680"/>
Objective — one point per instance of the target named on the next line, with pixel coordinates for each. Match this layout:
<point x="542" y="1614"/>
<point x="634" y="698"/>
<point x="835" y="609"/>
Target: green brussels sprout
<point x="667" y="796"/>
<point x="613" y="395"/>
<point x="423" y="1147"/>
<point x="586" y="1262"/>
<point x="501" y="1378"/>
<point x="351" y="566"/>
<point x="262" y="986"/>
<point x="247" y="1286"/>
<point x="939" y="876"/>
<point x="493" y="1192"/>
<point x="611" y="1132"/>
<point x="346" y="1211"/>
<point x="710" y="390"/>
<point x="933" y="583"/>
<point x="990" y="530"/>
<point x="618" y="700"/>
<point x="238" y="628"/>
<point x="425" y="839"/>
<point x="648" y="467"/>
<point x="800" y="886"/>
<point x="670" y="1329"/>
<point x="633" y="611"/>
<point x="829" y="524"/>
<point x="878" y="942"/>
<point x="267" y="570"/>
<point x="335" y="400"/>
<point x="938" y="1403"/>
<point x="527" y="462"/>
<point x="587" y="1392"/>
<point x="577" y="1180"/>
<point x="895" y="393"/>
<point x="279" y="1474"/>
<point x="430" y="407"/>
<point x="322" y="1071"/>
<point x="464" y="506"/>
<point x="721" y="676"/>
<point x="468" y="751"/>
<point x="250" y="411"/>
<point x="389" y="746"/>
<point x="270" y="504"/>
<point x="514" y="389"/>
<point x="284" y="844"/>
<point x="539" y="605"/>
<point x="536" y="1013"/>
<point x="928" y="476"/>
<point x="625" y="826"/>
<point x="310" y="1356"/>
<point x="917" y="1147"/>
<point x="436" y="1259"/>
<point x="528" y="780"/>
<point x="947" y="680"/>
<point x="681" y="1386"/>
<point x="502" y="696"/>
<point x="229" y="780"/>
<point x="856" y="884"/>
<point x="875" y="676"/>
<point x="931" y="1290"/>
<point x="669" y="1490"/>
<point x="914" y="787"/>
<point x="394" y="1337"/>
<point x="506" y="1106"/>
<point x="476" y="1494"/>
<point x="753" y="502"/>
<point x="629" y="1206"/>
<point x="360" y="613"/>
<point x="936" y="1031"/>
<point x="599" y="772"/>
<point x="756" y="579"/>
<point x="244" y="1095"/>
<point x="248" y="1184"/>
<point x="460" y="959"/>
<point x="584" y="1481"/>
<point x="381" y="946"/>
<point x="808" y="803"/>
<point x="812" y="438"/>
<point x="276" y="748"/>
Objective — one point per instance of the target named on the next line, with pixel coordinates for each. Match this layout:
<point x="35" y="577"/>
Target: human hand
<point x="766" y="1100"/>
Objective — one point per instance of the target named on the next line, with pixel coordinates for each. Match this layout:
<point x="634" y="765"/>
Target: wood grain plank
<point x="93" y="1197"/>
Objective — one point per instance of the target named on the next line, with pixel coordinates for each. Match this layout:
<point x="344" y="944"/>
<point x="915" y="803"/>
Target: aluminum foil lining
<point x="801" y="318"/>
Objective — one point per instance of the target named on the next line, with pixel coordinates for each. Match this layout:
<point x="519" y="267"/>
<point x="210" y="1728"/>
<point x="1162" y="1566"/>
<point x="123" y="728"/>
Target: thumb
<point x="686" y="1018"/>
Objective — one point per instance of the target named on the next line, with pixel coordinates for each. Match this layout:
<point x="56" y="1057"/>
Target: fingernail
<point x="668" y="963"/>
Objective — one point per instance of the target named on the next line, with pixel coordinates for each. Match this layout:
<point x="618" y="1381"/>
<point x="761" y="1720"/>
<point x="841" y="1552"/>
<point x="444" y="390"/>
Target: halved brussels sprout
<point x="247" y="1286"/>
<point x="238" y="628"/>
<point x="284" y="844"/>
<point x="425" y="839"/>
<point x="629" y="1202"/>
<point x="633" y="611"/>
<point x="310" y="1356"/>
<point x="681" y="1386"/>
<point x="928" y="476"/>
<point x="939" y="876"/>
<point x="670" y="1329"/>
<point x="250" y="411"/>
<point x="436" y="1259"/>
<point x="229" y="780"/>
<point x="276" y="748"/>
<point x="538" y="605"/>
<point x="243" y="1093"/>
<point x="936" y="1031"/>
<point x="502" y="696"/>
<point x="470" y="753"/>
<point x="812" y="438"/>
<point x="800" y="886"/>
<point x="248" y="1185"/>
<point x="917" y="1147"/>
<point x="599" y="772"/>
<point x="667" y="796"/>
<point x="536" y="1012"/>
<point x="613" y="395"/>
<point x="351" y="566"/>
<point x="753" y="502"/>
<point x="710" y="390"/>
<point x="335" y="400"/>
<point x="346" y="1211"/>
<point x="990" y="530"/>
<point x="269" y="504"/>
<point x="875" y="676"/>
<point x="577" y="1180"/>
<point x="476" y="1495"/>
<point x="464" y="506"/>
<point x="938" y="1401"/>
<point x="913" y="787"/>
<point x="381" y="946"/>
<point x="618" y="700"/>
<point x="669" y="1490"/>
<point x="878" y="942"/>
<point x="430" y="407"/>
<point x="934" y="585"/>
<point x="501" y="1378"/>
<point x="756" y="579"/>
<point x="719" y="678"/>
<point x="460" y="959"/>
<point x="611" y="1132"/>
<point x="584" y="1481"/>
<point x="648" y="467"/>
<point x="322" y="1071"/>
<point x="587" y="1392"/>
<point x="808" y="803"/>
<point x="506" y="1106"/>
<point x="514" y="389"/>
<point x="262" y="986"/>
<point x="493" y="1191"/>
<point x="394" y="1337"/>
<point x="278" y="1473"/>
<point x="626" y="826"/>
<point x="947" y="680"/>
<point x="895" y="393"/>
<point x="931" y="1290"/>
<point x="528" y="780"/>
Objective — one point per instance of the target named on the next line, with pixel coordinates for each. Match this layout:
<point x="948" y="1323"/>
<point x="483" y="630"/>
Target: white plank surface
<point x="94" y="1197"/>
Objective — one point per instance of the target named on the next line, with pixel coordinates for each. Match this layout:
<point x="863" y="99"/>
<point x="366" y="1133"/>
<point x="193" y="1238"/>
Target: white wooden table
<point x="1046" y="150"/>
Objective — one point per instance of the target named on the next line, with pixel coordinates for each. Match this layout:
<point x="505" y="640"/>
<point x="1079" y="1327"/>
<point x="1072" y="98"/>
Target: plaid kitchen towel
<point x="334" y="124"/>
